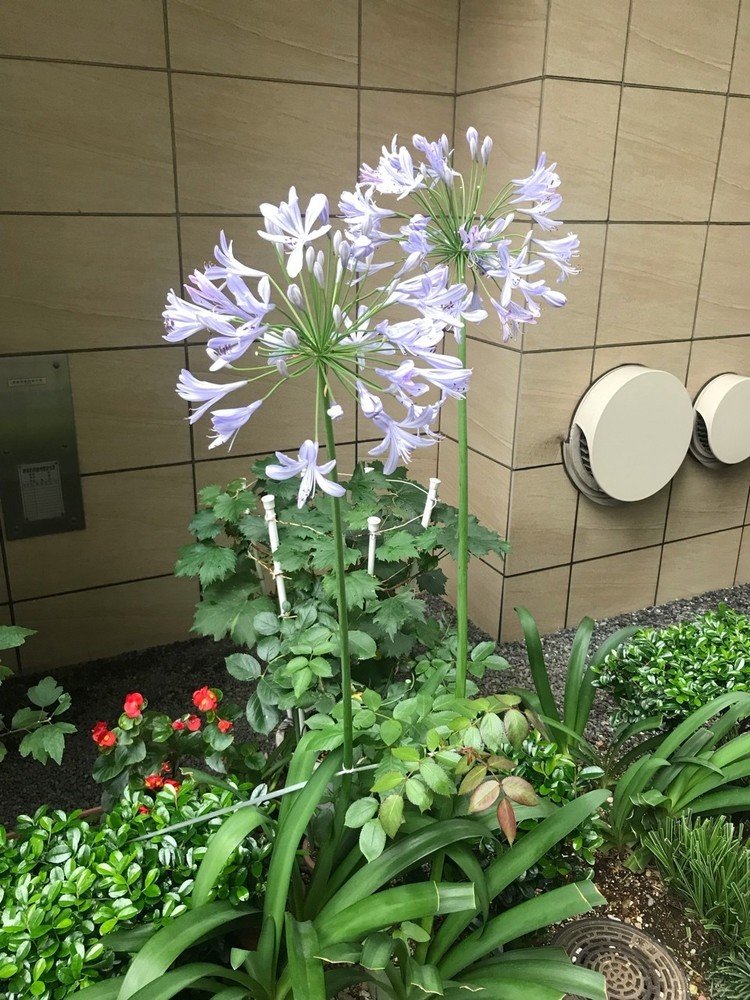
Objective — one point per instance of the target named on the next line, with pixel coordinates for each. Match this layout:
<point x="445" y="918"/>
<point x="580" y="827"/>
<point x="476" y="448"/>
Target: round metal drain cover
<point x="635" y="966"/>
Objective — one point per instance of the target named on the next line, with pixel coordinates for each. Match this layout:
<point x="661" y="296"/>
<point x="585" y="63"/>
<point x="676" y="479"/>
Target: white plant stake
<point x="429" y="504"/>
<point x="373" y="523"/>
<point x="269" y="507"/>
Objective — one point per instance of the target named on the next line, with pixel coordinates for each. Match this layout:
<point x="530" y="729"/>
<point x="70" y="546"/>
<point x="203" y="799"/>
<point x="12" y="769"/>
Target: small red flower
<point x="172" y="783"/>
<point x="178" y="724"/>
<point x="224" y="725"/>
<point x="133" y="704"/>
<point x="103" y="736"/>
<point x="166" y="767"/>
<point x="205" y="700"/>
<point x="144" y="810"/>
<point x="153" y="782"/>
<point x="193" y="723"/>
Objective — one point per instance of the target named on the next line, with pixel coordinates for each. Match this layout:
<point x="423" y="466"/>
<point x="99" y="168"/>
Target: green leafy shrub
<point x="66" y="882"/>
<point x="673" y="671"/>
<point x="730" y="977"/>
<point x="708" y="862"/>
<point x="43" y="735"/>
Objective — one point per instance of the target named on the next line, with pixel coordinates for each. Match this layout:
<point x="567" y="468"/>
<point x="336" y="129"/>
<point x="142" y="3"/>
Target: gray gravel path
<point x="167" y="676"/>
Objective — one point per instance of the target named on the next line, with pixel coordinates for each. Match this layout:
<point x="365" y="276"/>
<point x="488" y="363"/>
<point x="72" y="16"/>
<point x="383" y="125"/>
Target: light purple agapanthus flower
<point x="208" y="394"/>
<point x="286" y="227"/>
<point x="307" y="468"/>
<point x="228" y="423"/>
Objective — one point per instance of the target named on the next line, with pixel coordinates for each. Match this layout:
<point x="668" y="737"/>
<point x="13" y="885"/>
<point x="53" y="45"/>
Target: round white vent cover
<point x="721" y="434"/>
<point x="630" y="434"/>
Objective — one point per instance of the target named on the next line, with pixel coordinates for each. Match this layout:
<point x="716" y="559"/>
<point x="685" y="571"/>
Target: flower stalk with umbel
<point x="488" y="241"/>
<point x="323" y="317"/>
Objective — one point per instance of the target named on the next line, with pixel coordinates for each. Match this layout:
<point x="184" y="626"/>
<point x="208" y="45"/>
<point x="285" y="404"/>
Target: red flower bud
<point x="224" y="725"/>
<point x="193" y="723"/>
<point x="172" y="783"/>
<point x="134" y="702"/>
<point x="205" y="700"/>
<point x="144" y="810"/>
<point x="166" y="767"/>
<point x="153" y="782"/>
<point x="178" y="724"/>
<point x="103" y="736"/>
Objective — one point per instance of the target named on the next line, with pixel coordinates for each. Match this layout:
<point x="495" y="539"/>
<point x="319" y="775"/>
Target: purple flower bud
<point x="337" y="238"/>
<point x="290" y="338"/>
<point x="486" y="150"/>
<point x="309" y="258"/>
<point x="472" y="137"/>
<point x="294" y="295"/>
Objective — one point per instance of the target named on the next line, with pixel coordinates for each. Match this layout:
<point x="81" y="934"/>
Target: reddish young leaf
<point x="519" y="790"/>
<point x="507" y="819"/>
<point x="484" y="796"/>
<point x="472" y="779"/>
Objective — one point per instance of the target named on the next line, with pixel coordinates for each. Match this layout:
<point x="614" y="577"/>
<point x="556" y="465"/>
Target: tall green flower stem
<point x="462" y="565"/>
<point x="340" y="570"/>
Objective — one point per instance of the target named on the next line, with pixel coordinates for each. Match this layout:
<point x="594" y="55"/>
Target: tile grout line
<point x="696" y="308"/>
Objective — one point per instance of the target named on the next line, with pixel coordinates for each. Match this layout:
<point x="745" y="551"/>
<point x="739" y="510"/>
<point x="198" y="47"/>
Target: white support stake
<point x="429" y="504"/>
<point x="269" y="506"/>
<point x="373" y="523"/>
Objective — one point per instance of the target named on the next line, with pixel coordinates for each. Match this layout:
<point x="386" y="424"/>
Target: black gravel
<point x="168" y="675"/>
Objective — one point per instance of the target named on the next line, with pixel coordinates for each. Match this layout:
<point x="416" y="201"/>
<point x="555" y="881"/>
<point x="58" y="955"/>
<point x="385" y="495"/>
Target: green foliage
<point x="349" y="923"/>
<point x="567" y="724"/>
<point x="675" y="670"/>
<point x="701" y="768"/>
<point x="708" y="862"/>
<point x="66" y="883"/>
<point x="42" y="734"/>
<point x="730" y="977"/>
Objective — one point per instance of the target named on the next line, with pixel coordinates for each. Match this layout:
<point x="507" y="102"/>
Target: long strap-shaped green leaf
<point x="160" y="951"/>
<point x="522" y="856"/>
<point x="403" y="855"/>
<point x="723" y="801"/>
<point x="107" y="990"/>
<point x="730" y="774"/>
<point x="698" y="718"/>
<point x="536" y="664"/>
<point x="392" y="906"/>
<point x="561" y="976"/>
<point x="197" y="975"/>
<point x="587" y="691"/>
<point x="635" y="780"/>
<point x="221" y="846"/>
<point x="576" y="673"/>
<point x="306" y="973"/>
<point x="541" y="911"/>
<point x="293" y="821"/>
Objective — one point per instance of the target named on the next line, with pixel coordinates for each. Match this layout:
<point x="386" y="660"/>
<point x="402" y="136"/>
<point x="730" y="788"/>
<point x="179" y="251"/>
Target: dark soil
<point x="168" y="675"/>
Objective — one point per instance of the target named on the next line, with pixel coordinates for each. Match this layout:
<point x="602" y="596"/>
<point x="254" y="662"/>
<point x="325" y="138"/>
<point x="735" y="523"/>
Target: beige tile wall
<point x="130" y="134"/>
<point x="645" y="108"/>
<point x="129" y="139"/>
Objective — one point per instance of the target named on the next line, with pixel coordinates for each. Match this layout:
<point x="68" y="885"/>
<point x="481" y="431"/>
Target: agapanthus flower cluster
<point x="494" y="247"/>
<point x="323" y="316"/>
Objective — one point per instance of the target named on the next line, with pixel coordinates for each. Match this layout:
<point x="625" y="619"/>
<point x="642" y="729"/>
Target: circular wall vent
<point x="721" y="431"/>
<point x="634" y="965"/>
<point x="629" y="435"/>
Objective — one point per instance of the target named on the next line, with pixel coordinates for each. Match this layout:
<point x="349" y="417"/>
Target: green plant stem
<point x="340" y="570"/>
<point x="462" y="562"/>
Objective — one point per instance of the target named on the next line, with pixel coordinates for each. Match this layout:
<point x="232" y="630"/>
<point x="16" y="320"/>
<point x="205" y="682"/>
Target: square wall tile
<point x="586" y="38"/>
<point x="74" y="283"/>
<point x="696" y="565"/>
<point x="650" y="283"/>
<point x="724" y="297"/>
<point x="664" y="357"/>
<point x="500" y="42"/>
<point x="3" y="584"/>
<point x="385" y="114"/>
<point x="667" y="172"/>
<point x="550" y="387"/>
<point x="491" y="401"/>
<point x="511" y="116"/>
<point x="542" y="518"/>
<point x="578" y="127"/>
<point x="705" y="500"/>
<point x="743" y="564"/>
<point x="544" y="594"/>
<point x="489" y="489"/>
<point x="712" y="357"/>
<point x="681" y="44"/>
<point x="242" y="142"/>
<point x="732" y="195"/>
<point x="127" y="412"/>
<point x="315" y="41"/>
<point x="602" y="531"/>
<point x="129" y="31"/>
<point x="135" y="522"/>
<point x="280" y="425"/>
<point x="409" y="44"/>
<point x="740" y="81"/>
<point x="604" y="587"/>
<point x="84" y="139"/>
<point x="91" y="624"/>
<point x="485" y="593"/>
<point x="575" y="324"/>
